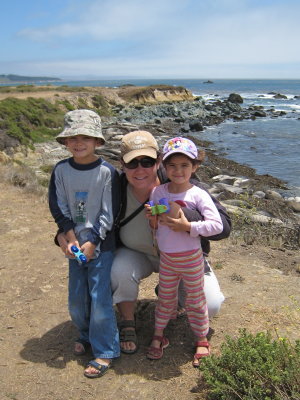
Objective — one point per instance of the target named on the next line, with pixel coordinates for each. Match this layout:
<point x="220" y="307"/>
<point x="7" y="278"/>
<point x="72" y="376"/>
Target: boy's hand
<point x="88" y="249"/>
<point x="63" y="243"/>
<point x="69" y="252"/>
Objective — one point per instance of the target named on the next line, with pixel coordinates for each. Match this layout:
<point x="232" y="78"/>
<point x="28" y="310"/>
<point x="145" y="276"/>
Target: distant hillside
<point x="26" y="79"/>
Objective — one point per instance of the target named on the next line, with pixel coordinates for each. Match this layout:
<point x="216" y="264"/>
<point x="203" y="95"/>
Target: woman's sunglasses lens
<point x="145" y="163"/>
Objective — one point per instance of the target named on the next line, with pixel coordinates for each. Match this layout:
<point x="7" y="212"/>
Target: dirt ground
<point x="36" y="335"/>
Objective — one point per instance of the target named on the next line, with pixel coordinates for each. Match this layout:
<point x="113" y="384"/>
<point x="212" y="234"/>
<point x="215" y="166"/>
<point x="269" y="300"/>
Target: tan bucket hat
<point x="138" y="143"/>
<point x="81" y="122"/>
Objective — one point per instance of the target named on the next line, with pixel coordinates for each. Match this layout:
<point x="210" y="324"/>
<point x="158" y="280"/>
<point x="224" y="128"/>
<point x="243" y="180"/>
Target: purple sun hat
<point x="180" y="145"/>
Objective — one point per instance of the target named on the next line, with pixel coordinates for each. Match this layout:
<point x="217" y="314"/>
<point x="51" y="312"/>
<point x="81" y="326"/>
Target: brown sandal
<point x="155" y="353"/>
<point x="198" y="356"/>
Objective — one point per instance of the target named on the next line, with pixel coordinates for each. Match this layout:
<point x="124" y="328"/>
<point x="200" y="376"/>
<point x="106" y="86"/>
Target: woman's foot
<point x="97" y="368"/>
<point x="202" y="350"/>
<point x="128" y="338"/>
<point x="156" y="349"/>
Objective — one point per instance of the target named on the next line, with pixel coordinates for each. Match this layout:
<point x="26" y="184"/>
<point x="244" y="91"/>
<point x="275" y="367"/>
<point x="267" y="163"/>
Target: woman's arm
<point x="194" y="215"/>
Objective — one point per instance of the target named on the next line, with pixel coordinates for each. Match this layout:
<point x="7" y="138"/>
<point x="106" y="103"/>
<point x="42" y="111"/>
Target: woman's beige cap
<point x="138" y="143"/>
<point x="81" y="122"/>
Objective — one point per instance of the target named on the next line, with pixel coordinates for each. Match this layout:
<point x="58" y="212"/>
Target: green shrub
<point x="81" y="103"/>
<point x="254" y="367"/>
<point x="31" y="120"/>
<point x="101" y="105"/>
<point x="66" y="104"/>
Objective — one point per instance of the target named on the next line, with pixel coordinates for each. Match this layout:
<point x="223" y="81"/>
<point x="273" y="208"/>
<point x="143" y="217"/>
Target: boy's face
<point x="82" y="148"/>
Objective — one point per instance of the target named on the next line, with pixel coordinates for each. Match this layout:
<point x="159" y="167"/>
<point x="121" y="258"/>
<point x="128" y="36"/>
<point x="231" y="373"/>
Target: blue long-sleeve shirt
<point x="86" y="198"/>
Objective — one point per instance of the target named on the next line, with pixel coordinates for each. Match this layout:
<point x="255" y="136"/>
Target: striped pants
<point x="189" y="267"/>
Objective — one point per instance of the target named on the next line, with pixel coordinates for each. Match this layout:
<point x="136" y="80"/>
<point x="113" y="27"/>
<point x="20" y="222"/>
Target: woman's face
<point x="142" y="177"/>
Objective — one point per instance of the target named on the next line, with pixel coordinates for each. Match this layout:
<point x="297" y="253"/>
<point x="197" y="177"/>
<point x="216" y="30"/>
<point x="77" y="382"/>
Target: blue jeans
<point x="90" y="305"/>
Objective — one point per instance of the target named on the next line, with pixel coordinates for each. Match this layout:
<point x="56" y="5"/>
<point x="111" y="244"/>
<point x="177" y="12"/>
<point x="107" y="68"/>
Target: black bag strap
<point x="132" y="215"/>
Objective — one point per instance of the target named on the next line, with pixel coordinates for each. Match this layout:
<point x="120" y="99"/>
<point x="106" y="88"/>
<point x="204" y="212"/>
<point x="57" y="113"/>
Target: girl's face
<point x="142" y="177"/>
<point x="179" y="169"/>
<point x="82" y="148"/>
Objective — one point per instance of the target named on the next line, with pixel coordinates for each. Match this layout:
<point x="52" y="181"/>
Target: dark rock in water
<point x="235" y="98"/>
<point x="279" y="96"/>
<point x="185" y="128"/>
<point x="237" y="117"/>
<point x="196" y="126"/>
<point x="259" y="113"/>
<point x="208" y="81"/>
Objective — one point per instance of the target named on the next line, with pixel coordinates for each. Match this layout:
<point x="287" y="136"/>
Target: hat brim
<point x="66" y="133"/>
<point x="139" y="152"/>
<point x="186" y="153"/>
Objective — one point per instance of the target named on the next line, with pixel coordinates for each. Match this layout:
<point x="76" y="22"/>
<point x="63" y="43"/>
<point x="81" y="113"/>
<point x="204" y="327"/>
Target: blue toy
<point x="160" y="208"/>
<point x="81" y="258"/>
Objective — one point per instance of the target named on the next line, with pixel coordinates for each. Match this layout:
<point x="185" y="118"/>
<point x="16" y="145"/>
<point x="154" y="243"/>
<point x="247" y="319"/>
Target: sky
<point x="202" y="39"/>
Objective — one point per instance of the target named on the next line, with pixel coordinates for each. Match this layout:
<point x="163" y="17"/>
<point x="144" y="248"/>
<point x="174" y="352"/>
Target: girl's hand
<point x="148" y="211"/>
<point x="152" y="218"/>
<point x="179" y="224"/>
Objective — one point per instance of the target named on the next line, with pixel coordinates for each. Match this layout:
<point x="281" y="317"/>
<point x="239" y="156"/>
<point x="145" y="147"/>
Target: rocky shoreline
<point x="253" y="200"/>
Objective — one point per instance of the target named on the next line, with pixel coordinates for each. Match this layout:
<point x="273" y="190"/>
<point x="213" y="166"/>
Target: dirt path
<point x="36" y="334"/>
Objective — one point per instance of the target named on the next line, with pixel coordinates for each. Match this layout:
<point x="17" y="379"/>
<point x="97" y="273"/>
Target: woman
<point x="137" y="258"/>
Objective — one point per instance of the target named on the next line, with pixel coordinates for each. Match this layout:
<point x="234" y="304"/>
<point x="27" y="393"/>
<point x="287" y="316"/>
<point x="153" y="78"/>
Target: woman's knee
<point x="214" y="304"/>
<point x="213" y="294"/>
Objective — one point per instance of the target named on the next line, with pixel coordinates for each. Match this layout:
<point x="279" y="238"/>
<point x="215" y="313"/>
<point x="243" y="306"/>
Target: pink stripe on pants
<point x="189" y="267"/>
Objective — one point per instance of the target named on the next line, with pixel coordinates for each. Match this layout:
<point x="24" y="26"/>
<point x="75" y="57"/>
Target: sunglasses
<point x="146" y="162"/>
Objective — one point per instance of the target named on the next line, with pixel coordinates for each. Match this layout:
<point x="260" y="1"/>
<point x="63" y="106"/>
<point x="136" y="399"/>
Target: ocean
<point x="269" y="145"/>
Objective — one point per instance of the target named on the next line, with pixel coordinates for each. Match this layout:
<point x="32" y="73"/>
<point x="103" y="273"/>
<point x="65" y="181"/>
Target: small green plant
<point x="254" y="367"/>
<point x="218" y="265"/>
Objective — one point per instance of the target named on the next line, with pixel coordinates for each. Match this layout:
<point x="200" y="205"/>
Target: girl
<point x="180" y="252"/>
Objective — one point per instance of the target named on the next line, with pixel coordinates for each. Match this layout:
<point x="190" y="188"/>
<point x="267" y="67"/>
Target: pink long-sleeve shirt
<point x="195" y="198"/>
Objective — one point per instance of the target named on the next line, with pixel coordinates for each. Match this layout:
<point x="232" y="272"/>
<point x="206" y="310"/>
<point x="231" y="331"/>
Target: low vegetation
<point x="254" y="367"/>
<point x="34" y="120"/>
<point x="44" y="88"/>
<point x="24" y="177"/>
<point x="31" y="120"/>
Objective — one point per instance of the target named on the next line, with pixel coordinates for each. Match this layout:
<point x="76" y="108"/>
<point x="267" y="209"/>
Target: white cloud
<point x="111" y="19"/>
<point x="183" y="37"/>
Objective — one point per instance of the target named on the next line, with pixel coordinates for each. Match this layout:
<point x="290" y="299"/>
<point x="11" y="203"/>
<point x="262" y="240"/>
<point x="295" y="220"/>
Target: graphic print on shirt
<point x="80" y="207"/>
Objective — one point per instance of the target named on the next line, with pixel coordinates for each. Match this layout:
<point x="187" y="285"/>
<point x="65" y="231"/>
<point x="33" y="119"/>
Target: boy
<point x="84" y="199"/>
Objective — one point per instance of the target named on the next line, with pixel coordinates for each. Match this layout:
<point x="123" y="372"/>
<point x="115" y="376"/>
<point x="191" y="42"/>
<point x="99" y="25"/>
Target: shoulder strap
<point x="119" y="222"/>
<point x="132" y="215"/>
